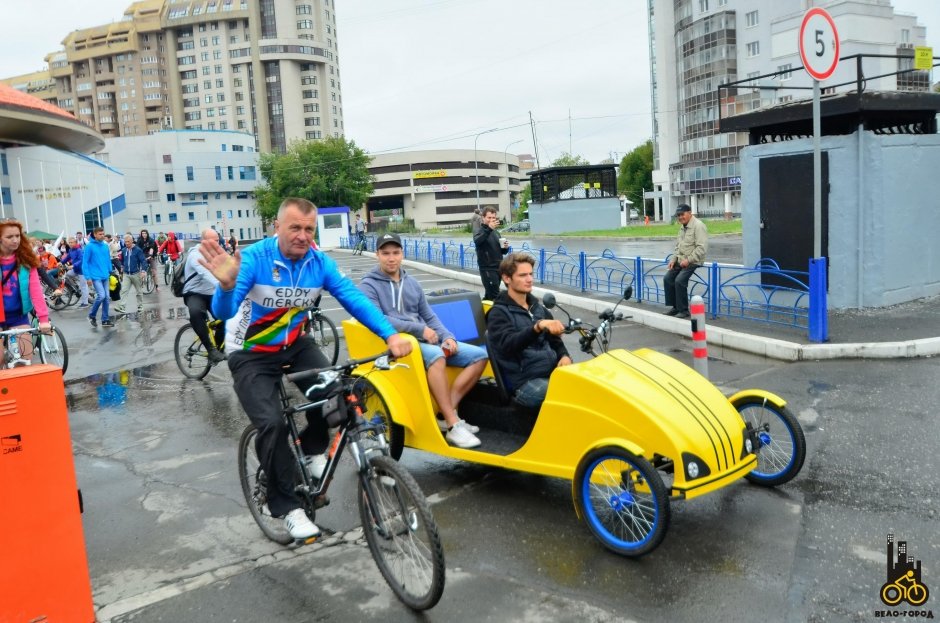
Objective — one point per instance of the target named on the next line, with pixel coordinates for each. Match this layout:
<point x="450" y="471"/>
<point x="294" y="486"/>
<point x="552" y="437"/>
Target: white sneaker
<point x="316" y="464"/>
<point x="299" y="525"/>
<point x="460" y="436"/>
<point x="442" y="424"/>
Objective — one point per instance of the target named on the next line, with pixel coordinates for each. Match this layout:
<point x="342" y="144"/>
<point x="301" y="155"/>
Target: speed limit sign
<point x="819" y="44"/>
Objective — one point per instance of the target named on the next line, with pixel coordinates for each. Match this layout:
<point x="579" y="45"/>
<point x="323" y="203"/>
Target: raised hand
<point x="223" y="266"/>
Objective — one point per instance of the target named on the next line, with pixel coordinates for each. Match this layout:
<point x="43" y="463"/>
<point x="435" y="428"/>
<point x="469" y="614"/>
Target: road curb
<point x="771" y="348"/>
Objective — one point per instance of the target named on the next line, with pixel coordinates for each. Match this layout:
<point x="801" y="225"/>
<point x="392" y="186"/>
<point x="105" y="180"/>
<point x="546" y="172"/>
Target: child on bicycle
<point x="22" y="292"/>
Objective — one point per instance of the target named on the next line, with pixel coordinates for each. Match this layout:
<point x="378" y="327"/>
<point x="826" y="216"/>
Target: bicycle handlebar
<point x="352" y="363"/>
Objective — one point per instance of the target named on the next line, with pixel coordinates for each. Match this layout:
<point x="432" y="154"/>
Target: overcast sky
<point x="427" y="74"/>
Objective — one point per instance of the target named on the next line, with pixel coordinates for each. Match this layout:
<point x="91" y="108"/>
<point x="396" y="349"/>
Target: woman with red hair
<point x="22" y="292"/>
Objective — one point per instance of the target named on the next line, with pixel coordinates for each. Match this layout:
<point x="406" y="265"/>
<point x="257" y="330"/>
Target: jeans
<point x="102" y="298"/>
<point x="532" y="393"/>
<point x="676" y="286"/>
<point x="467" y="354"/>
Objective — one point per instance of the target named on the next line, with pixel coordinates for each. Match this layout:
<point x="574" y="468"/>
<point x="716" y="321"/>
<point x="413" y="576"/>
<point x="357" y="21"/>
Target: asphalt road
<point x="169" y="537"/>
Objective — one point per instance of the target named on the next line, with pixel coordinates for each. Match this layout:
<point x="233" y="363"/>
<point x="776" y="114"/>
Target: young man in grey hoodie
<point x="402" y="300"/>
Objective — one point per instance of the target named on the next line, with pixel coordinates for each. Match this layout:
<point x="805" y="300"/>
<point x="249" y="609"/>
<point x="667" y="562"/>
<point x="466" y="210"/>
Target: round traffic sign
<point x="819" y="43"/>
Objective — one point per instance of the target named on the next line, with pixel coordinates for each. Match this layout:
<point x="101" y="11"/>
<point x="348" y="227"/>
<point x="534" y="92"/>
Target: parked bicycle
<point x="396" y="518"/>
<point x="51" y="348"/>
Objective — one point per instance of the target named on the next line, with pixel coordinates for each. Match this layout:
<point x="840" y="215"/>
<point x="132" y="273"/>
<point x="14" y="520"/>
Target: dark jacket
<point x="489" y="252"/>
<point x="403" y="303"/>
<point x="522" y="354"/>
<point x="133" y="260"/>
<point x="148" y="246"/>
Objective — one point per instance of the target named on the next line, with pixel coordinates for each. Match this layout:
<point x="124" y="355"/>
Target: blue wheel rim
<point x="778" y="445"/>
<point x="608" y="507"/>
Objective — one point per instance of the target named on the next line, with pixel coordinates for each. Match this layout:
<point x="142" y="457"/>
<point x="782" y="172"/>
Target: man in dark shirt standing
<point x="490" y="251"/>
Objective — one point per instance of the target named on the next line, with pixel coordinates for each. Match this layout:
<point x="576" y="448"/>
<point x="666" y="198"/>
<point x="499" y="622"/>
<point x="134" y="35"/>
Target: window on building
<point x="190" y="173"/>
<point x="191" y="216"/>
<point x="703" y="5"/>
<point x="231" y="173"/>
<point x="218" y="214"/>
<point x="786" y="71"/>
<point x="146" y="220"/>
<point x="218" y="172"/>
<point x="172" y="217"/>
<point x="157" y="219"/>
<point x="905" y="35"/>
<point x="171" y="196"/>
<point x="753" y="49"/>
<point x="167" y="159"/>
<point x="230" y="214"/>
<point x="750" y="19"/>
<point x="168" y="177"/>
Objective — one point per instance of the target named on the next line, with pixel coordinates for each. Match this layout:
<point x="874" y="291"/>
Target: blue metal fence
<point x="762" y="293"/>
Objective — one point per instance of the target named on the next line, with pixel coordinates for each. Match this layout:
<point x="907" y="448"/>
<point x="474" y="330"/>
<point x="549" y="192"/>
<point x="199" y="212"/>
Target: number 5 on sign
<point x="819" y="44"/>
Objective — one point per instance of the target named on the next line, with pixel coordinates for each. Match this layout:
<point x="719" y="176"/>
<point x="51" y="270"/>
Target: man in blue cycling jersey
<point x="262" y="295"/>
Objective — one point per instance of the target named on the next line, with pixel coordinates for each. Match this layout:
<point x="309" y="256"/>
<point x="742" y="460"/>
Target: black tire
<point x="401" y="533"/>
<point x="374" y="404"/>
<point x="71" y="295"/>
<point x="191" y="356"/>
<point x="622" y="499"/>
<point x="57" y="303"/>
<point x="255" y="490"/>
<point x="323" y="332"/>
<point x="148" y="283"/>
<point x="168" y="272"/>
<point x="782" y="443"/>
<point x="53" y="349"/>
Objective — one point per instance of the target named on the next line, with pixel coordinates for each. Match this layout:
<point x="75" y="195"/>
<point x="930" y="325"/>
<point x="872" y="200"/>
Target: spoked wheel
<point x="622" y="499"/>
<point x="782" y="445"/>
<point x="53" y="349"/>
<point x="323" y="333"/>
<point x="191" y="355"/>
<point x="148" y="283"/>
<point x="373" y="404"/>
<point x="401" y="533"/>
<point x="254" y="486"/>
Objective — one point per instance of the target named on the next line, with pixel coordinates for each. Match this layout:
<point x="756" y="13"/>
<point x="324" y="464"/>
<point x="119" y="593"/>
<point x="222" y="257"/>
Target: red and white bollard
<point x="699" y="344"/>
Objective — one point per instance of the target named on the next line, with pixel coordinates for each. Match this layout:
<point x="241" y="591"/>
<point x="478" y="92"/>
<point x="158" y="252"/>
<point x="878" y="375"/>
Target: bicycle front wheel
<point x="255" y="488"/>
<point x="191" y="355"/>
<point x="167" y="270"/>
<point x="401" y="533"/>
<point x="324" y="334"/>
<point x="53" y="349"/>
<point x="148" y="283"/>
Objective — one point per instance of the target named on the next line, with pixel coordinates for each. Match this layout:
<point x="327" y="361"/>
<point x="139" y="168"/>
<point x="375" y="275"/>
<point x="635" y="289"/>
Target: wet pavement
<point x="169" y="537"/>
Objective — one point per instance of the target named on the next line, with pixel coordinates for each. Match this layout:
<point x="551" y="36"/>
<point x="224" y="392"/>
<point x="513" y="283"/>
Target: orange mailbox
<point x="44" y="571"/>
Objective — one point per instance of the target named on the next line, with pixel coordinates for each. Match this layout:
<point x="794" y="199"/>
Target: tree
<point x="567" y="160"/>
<point x="636" y="173"/>
<point x="330" y="172"/>
<point x="524" y="198"/>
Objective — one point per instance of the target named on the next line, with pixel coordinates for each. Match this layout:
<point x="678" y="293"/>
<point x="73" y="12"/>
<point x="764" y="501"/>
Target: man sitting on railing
<point x="691" y="245"/>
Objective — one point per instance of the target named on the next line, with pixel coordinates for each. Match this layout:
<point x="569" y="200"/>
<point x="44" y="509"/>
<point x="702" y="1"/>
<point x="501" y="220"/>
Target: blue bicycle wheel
<point x="781" y="443"/>
<point x="622" y="499"/>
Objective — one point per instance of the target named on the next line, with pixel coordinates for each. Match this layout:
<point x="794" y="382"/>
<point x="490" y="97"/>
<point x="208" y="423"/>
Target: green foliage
<point x="567" y="160"/>
<point x="636" y="174"/>
<point x="330" y="172"/>
<point x="524" y="198"/>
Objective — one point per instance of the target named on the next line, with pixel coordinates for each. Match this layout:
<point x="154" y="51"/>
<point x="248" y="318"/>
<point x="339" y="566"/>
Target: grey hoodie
<point x="403" y="303"/>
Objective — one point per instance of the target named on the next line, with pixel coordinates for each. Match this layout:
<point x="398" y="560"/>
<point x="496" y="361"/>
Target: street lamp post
<point x="476" y="164"/>
<point x="506" y="162"/>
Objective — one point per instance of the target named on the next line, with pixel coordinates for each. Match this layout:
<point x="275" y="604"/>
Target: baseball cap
<point x="388" y="238"/>
<point x="683" y="208"/>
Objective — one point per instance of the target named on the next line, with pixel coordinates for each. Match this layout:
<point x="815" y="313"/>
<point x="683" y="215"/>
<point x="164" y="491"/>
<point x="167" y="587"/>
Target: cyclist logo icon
<point x="904" y="580"/>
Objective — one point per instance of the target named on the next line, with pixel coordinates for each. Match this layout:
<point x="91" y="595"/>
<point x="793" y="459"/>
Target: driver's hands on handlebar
<point x="398" y="346"/>
<point x="555" y="327"/>
<point x="45" y="327"/>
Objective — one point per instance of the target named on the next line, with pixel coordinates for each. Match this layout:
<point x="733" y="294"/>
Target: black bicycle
<point x="396" y="518"/>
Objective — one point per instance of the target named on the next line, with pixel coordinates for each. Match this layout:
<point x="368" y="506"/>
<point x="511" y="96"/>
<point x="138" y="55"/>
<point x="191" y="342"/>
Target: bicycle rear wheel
<point x="401" y="533"/>
<point x="53" y="349"/>
<point x="191" y="355"/>
<point x="324" y="334"/>
<point x="254" y="486"/>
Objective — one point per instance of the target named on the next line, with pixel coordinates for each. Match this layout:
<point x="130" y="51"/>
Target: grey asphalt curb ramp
<point x="746" y="342"/>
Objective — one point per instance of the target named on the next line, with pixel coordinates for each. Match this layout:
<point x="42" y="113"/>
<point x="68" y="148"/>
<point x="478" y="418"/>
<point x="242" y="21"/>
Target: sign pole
<point x="817" y="175"/>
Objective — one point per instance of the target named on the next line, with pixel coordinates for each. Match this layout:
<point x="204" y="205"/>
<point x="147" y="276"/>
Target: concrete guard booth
<point x="880" y="183"/>
<point x="566" y="199"/>
<point x="332" y="224"/>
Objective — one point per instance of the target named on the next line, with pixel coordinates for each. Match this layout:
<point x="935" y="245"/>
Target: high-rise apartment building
<point x="697" y="45"/>
<point x="267" y="67"/>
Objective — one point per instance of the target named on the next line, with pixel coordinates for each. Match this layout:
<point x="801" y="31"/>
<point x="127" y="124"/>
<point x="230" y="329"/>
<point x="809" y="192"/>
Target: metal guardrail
<point x="729" y="290"/>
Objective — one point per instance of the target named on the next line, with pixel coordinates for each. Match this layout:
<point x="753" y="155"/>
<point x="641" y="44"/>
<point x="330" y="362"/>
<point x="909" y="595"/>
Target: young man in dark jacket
<point x="490" y="251"/>
<point x="402" y="300"/>
<point x="524" y="337"/>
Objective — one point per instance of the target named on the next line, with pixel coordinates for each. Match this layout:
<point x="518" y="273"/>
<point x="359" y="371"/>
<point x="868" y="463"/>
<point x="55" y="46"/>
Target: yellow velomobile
<point x="632" y="430"/>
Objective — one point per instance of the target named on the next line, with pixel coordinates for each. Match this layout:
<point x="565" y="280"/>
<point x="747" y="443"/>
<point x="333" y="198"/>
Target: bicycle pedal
<point x="321" y="501"/>
<point x="308" y="541"/>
